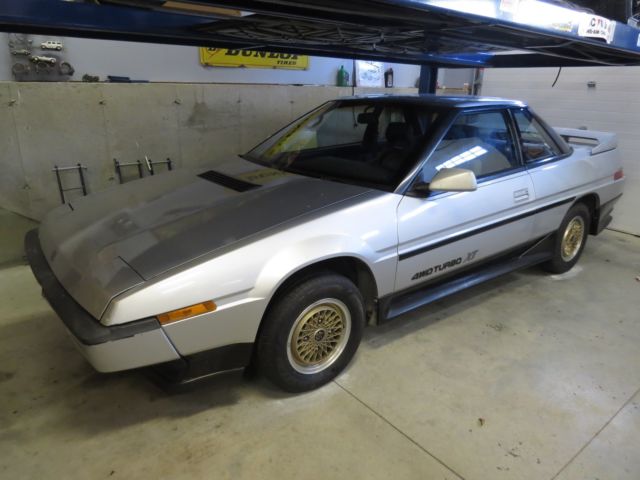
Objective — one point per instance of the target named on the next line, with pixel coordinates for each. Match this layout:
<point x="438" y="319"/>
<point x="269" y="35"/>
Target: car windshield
<point x="369" y="142"/>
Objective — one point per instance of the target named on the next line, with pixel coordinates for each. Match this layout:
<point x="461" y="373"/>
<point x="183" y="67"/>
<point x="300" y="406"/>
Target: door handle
<point x="521" y="195"/>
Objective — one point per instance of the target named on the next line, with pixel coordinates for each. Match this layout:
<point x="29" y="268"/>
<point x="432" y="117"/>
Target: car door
<point x="447" y="231"/>
<point x="555" y="177"/>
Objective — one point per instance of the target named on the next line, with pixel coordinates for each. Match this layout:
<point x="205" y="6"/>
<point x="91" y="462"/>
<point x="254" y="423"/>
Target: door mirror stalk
<point x="420" y="190"/>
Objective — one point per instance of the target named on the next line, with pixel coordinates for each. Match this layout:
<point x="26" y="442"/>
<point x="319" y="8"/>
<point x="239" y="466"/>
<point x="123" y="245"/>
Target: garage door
<point x="610" y="103"/>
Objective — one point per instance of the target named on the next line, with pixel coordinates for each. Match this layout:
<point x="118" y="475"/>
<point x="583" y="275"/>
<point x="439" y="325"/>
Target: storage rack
<point x="440" y="33"/>
<point x="150" y="164"/>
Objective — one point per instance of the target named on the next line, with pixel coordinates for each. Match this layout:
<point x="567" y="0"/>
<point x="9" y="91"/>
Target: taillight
<point x="619" y="175"/>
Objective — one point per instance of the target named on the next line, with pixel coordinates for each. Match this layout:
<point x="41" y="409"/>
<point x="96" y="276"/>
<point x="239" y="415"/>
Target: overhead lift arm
<point x="441" y="33"/>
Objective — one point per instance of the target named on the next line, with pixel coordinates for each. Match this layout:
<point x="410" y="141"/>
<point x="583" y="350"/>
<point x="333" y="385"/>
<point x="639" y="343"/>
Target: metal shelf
<point x="442" y="33"/>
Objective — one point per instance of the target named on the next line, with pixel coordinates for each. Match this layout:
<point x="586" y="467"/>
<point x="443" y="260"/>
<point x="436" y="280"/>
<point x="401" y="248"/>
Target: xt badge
<point x="446" y="265"/>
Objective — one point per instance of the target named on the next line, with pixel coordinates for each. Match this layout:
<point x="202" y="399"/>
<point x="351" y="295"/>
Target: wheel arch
<point x="350" y="267"/>
<point x="592" y="202"/>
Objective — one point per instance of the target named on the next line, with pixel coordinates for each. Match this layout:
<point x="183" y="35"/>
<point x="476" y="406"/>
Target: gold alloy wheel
<point x="318" y="336"/>
<point x="572" y="239"/>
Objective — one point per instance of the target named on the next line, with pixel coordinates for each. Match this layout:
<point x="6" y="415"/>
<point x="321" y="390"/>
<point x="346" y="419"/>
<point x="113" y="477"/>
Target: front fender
<point x="303" y="254"/>
<point x="253" y="272"/>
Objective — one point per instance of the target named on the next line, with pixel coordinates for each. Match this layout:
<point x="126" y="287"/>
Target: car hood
<point x="104" y="244"/>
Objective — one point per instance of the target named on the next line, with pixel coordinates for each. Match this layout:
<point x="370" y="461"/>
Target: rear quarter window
<point x="535" y="141"/>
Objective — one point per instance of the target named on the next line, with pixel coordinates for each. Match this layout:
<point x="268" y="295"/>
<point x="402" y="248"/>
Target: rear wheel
<point x="570" y="239"/>
<point x="311" y="333"/>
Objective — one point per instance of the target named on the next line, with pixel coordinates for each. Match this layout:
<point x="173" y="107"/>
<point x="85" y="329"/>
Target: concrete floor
<point x="528" y="377"/>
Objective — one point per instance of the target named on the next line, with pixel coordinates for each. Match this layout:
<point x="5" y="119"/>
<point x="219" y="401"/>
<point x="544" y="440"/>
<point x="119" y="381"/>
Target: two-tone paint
<point x="182" y="238"/>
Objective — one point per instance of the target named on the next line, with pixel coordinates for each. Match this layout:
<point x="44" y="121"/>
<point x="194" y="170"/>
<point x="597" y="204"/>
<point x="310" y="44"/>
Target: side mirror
<point x="454" y="180"/>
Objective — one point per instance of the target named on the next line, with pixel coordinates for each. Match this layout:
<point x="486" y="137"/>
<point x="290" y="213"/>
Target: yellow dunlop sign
<point x="227" y="57"/>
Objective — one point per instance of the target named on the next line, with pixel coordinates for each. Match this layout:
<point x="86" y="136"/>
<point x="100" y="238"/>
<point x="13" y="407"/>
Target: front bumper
<point x="108" y="349"/>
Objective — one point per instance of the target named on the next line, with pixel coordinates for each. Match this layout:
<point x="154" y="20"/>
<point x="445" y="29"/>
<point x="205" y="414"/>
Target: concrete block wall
<point x="196" y="125"/>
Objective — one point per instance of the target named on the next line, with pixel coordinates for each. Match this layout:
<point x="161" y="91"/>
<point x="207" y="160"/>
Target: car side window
<point x="480" y="142"/>
<point x="536" y="143"/>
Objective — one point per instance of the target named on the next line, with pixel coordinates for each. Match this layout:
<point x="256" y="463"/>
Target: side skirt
<point x="399" y="303"/>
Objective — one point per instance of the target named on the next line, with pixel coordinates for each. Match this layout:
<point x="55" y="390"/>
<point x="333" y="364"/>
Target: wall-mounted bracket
<point x="78" y="168"/>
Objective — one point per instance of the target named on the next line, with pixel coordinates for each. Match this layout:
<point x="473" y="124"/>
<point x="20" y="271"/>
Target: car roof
<point x="447" y="101"/>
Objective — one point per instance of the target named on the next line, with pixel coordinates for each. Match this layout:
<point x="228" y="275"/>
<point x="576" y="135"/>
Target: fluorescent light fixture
<point x="485" y="8"/>
<point x="543" y="14"/>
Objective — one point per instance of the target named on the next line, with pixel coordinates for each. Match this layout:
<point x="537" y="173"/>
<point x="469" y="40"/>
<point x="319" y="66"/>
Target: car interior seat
<point x="400" y="142"/>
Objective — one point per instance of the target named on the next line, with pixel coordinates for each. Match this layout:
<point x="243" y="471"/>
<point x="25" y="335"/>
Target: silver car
<point x="42" y="60"/>
<point x="359" y="211"/>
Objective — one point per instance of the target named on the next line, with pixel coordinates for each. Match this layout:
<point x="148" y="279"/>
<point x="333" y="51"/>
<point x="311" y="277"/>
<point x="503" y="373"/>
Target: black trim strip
<point x="604" y="218"/>
<point x="399" y="304"/>
<point x="471" y="233"/>
<point x="531" y="246"/>
<point x="227" y="181"/>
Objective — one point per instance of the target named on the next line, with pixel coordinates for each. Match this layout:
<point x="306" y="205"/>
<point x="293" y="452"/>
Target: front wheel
<point x="311" y="333"/>
<point x="570" y="239"/>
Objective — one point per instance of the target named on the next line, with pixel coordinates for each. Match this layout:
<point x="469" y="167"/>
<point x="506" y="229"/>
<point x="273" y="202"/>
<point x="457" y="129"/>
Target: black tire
<point x="561" y="261"/>
<point x="285" y="321"/>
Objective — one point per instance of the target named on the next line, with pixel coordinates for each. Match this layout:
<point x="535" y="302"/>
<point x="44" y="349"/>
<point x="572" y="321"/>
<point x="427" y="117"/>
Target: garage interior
<point x="529" y="376"/>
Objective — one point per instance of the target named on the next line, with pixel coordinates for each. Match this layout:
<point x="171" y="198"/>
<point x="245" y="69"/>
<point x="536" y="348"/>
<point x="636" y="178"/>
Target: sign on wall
<point x="228" y="57"/>
<point x="369" y="74"/>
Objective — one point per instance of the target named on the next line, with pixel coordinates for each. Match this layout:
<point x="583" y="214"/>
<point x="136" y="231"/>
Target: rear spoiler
<point x="601" y="141"/>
